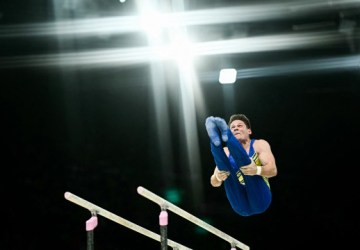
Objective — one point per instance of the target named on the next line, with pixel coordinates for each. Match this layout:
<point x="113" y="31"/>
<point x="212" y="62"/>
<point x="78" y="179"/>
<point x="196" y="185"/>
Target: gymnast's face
<point x="240" y="131"/>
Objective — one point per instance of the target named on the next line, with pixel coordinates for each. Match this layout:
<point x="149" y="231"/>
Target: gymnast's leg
<point x="235" y="191"/>
<point x="258" y="190"/>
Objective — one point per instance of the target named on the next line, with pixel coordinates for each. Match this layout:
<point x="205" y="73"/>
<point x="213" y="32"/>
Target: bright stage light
<point x="227" y="76"/>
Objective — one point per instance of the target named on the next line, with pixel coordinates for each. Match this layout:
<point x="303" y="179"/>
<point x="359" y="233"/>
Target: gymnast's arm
<point x="268" y="168"/>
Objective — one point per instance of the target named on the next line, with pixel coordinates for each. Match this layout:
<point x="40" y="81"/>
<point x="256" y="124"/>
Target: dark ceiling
<point x="90" y="107"/>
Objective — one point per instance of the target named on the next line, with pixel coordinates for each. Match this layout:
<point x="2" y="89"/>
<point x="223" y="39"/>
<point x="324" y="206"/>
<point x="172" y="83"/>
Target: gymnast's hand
<point x="218" y="177"/>
<point x="221" y="175"/>
<point x="249" y="169"/>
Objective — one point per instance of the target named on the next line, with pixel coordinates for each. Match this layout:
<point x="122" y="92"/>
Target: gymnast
<point x="242" y="163"/>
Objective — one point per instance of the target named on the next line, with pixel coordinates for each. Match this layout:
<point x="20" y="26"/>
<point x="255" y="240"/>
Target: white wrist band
<point x="258" y="170"/>
<point x="217" y="178"/>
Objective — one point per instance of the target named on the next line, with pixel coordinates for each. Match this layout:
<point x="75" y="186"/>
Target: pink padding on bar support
<point x="163" y="218"/>
<point x="91" y="223"/>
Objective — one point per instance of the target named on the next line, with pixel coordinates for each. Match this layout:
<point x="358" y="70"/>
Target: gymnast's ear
<point x="250" y="131"/>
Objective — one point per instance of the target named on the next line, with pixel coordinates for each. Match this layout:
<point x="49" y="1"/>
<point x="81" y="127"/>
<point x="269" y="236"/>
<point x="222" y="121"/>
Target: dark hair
<point x="240" y="117"/>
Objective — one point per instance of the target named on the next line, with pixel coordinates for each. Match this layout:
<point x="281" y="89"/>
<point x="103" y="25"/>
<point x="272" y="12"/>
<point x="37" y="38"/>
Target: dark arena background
<point x="101" y="97"/>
